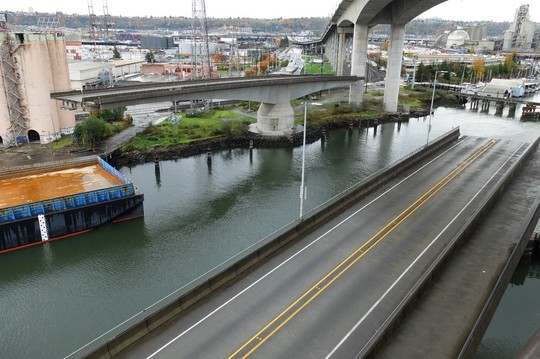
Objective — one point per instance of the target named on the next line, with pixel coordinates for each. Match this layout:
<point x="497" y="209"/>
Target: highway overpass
<point x="352" y="22"/>
<point x="275" y="93"/>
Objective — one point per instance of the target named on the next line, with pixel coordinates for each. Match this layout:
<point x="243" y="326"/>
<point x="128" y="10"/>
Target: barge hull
<point x="53" y="200"/>
<point x="25" y="232"/>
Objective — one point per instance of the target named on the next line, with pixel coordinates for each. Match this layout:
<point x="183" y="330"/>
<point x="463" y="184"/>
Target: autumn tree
<point x="263" y="66"/>
<point x="479" y="67"/>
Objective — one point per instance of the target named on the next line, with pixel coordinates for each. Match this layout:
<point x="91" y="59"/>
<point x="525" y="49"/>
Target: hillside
<point x="424" y="27"/>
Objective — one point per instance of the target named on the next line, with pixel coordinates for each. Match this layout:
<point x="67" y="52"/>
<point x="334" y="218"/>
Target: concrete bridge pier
<point x="341" y="51"/>
<point x="358" y="63"/>
<point x="393" y="69"/>
<point x="485" y="105"/>
<point x="499" y="107"/>
<point x="275" y="119"/>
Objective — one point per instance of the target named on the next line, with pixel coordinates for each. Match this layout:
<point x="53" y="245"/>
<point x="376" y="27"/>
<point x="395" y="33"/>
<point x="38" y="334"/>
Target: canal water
<point x="57" y="297"/>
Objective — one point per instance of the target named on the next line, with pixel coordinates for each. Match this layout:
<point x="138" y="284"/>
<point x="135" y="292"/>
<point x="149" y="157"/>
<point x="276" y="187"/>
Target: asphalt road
<point x="327" y="295"/>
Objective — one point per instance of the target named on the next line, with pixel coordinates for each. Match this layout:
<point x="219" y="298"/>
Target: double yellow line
<point x="299" y="304"/>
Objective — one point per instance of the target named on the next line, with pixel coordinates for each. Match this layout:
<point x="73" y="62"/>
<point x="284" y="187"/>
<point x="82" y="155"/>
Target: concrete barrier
<point x="270" y="246"/>
<point x="164" y="315"/>
<point x="407" y="304"/>
<point x="127" y="338"/>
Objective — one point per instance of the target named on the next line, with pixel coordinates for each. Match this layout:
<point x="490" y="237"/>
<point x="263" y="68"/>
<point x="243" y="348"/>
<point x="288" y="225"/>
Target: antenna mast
<point x="199" y="28"/>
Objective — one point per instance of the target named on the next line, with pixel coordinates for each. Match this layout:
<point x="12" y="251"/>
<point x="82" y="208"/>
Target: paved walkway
<point x="32" y="153"/>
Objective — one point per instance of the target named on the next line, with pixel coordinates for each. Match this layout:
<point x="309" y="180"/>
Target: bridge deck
<point x="444" y="317"/>
<point x="334" y="291"/>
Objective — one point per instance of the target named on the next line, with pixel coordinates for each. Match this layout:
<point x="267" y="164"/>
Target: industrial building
<point x="523" y="34"/>
<point x="92" y="74"/>
<point x="32" y="66"/>
<point x="157" y="42"/>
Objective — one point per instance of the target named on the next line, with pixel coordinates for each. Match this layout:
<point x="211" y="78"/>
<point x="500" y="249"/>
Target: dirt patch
<point x="32" y="153"/>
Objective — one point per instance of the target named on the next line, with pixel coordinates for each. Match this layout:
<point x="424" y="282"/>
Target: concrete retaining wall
<point x="288" y="234"/>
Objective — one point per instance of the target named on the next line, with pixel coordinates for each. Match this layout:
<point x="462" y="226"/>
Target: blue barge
<point x="54" y="200"/>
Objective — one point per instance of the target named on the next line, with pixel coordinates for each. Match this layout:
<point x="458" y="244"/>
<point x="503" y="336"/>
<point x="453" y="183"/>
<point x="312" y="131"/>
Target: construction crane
<point x="199" y="29"/>
<point x="93" y="23"/>
<point x="108" y="24"/>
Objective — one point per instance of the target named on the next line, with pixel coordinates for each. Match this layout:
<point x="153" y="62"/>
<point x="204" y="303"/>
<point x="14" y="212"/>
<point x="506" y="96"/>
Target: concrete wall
<point x="41" y="64"/>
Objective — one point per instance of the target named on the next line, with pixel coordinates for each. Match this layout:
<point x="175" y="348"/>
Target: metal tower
<point x="47" y="24"/>
<point x="93" y="23"/>
<point x="199" y="41"/>
<point x="11" y="85"/>
<point x="108" y="24"/>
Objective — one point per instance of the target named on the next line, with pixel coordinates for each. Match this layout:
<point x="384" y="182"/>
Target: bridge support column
<point x="341" y="51"/>
<point x="358" y="63"/>
<point x="393" y="69"/>
<point x="275" y="119"/>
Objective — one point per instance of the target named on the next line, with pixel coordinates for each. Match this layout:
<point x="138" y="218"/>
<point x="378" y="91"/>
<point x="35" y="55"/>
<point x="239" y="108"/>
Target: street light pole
<point x="431" y="107"/>
<point x="414" y="70"/>
<point x="303" y="192"/>
<point x="302" y="187"/>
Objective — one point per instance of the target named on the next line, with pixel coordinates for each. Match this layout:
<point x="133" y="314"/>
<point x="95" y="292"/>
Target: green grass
<point x="225" y="123"/>
<point x="64" y="141"/>
<point x="215" y="124"/>
<point x="315" y="69"/>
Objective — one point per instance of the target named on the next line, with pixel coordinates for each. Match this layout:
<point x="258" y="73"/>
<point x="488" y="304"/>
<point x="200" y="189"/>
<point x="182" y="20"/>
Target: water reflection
<point x="157" y="172"/>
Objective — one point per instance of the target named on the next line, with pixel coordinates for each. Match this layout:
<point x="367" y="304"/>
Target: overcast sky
<point x="468" y="10"/>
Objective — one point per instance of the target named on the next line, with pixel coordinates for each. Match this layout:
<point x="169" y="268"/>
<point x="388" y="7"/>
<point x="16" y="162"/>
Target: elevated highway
<point x="275" y="115"/>
<point x="349" y="29"/>
<point x="343" y="285"/>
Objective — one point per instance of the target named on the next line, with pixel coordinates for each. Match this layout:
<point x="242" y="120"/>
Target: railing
<point x="30" y="210"/>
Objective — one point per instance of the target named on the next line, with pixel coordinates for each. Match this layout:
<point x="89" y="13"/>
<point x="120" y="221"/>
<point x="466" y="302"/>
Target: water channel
<point x="57" y="297"/>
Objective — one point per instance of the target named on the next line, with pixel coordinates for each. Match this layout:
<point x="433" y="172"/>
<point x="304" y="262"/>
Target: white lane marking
<point x="349" y="333"/>
<point x="295" y="254"/>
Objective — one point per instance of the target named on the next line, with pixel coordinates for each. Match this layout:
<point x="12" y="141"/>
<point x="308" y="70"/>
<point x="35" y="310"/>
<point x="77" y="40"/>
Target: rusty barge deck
<point x="58" y="199"/>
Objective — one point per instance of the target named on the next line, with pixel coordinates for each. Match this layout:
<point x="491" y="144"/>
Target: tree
<point x="91" y="131"/>
<point x="116" y="114"/>
<point x="479" y="67"/>
<point x="509" y="63"/>
<point x="116" y="54"/>
<point x="150" y="57"/>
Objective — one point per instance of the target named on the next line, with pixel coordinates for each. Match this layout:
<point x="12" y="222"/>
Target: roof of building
<point x="90" y="65"/>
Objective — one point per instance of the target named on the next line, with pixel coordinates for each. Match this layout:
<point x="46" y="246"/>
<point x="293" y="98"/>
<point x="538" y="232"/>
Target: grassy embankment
<point x="227" y="123"/>
<point x="213" y="124"/>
